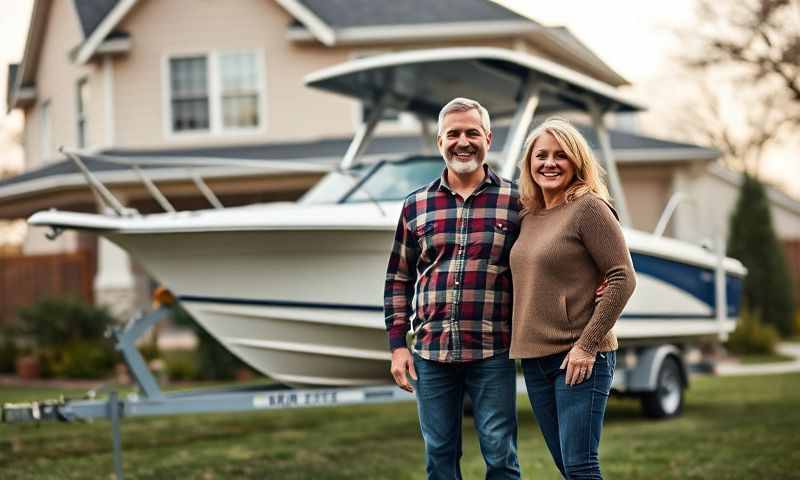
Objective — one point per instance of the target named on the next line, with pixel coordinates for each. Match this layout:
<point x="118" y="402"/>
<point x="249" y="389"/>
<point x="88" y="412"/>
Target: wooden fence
<point x="792" y="251"/>
<point x="26" y="279"/>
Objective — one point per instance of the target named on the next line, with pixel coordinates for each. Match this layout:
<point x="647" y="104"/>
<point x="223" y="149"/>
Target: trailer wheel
<point x="667" y="400"/>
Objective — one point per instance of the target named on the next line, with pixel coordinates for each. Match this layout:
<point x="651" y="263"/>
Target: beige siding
<point x="56" y="81"/>
<point x="162" y="29"/>
<point x="716" y="199"/>
<point x="31" y="137"/>
<point x="293" y="112"/>
<point x="647" y="191"/>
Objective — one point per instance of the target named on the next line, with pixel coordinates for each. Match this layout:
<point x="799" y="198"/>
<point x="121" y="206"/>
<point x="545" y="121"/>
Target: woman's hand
<point x="579" y="364"/>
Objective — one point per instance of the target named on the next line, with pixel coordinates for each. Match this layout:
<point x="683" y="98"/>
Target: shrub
<point x="8" y="351"/>
<point x="57" y="321"/>
<point x="768" y="285"/>
<point x="797" y="323"/>
<point x="81" y="359"/>
<point x="68" y="336"/>
<point x="752" y="336"/>
<point x="182" y="365"/>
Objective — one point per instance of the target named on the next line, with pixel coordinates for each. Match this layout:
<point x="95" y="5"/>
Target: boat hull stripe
<point x="372" y="308"/>
<point x="694" y="280"/>
<point x="278" y="303"/>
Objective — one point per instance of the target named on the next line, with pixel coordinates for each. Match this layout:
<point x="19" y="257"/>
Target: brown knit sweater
<point x="561" y="256"/>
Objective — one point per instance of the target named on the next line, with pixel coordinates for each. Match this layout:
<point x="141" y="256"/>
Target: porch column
<point x="115" y="283"/>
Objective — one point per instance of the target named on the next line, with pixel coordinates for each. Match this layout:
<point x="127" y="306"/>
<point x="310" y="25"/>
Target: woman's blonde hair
<point x="588" y="172"/>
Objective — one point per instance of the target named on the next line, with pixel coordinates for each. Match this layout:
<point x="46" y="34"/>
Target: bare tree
<point x="747" y="53"/>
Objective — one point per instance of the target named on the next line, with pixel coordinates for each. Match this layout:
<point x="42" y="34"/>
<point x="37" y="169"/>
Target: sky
<point x="13" y="28"/>
<point x="608" y="28"/>
<point x="642" y="41"/>
<point x="638" y="39"/>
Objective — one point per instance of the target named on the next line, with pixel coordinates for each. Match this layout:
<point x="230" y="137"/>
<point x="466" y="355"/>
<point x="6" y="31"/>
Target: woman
<point x="569" y="241"/>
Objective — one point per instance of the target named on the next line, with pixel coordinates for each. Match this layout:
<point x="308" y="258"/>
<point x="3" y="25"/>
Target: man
<point x="448" y="281"/>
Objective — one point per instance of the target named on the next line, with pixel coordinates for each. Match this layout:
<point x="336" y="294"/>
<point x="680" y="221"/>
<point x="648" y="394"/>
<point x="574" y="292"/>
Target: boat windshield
<point x="383" y="181"/>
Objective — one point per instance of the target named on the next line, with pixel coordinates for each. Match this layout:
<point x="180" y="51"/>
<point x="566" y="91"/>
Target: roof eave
<point x="27" y="66"/>
<point x="22" y="98"/>
<point x="773" y="193"/>
<point x="417" y="32"/>
<point x="608" y="74"/>
<point x="114" y="46"/>
<point x="89" y="47"/>
<point x="643" y="156"/>
<point x="320" y="30"/>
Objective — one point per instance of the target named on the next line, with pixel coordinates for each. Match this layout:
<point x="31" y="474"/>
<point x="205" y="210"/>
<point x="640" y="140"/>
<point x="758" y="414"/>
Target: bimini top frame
<point x="421" y="81"/>
<point x="506" y="82"/>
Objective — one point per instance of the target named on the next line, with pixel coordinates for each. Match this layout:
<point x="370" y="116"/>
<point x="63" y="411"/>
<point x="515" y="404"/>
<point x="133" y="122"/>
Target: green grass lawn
<point x="732" y="428"/>
<point x="767" y="358"/>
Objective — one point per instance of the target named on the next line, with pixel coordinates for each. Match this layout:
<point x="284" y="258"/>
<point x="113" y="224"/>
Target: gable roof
<point x="97" y="18"/>
<point x="331" y="22"/>
<point x="92" y="12"/>
<point x="367" y="22"/>
<point x="102" y="25"/>
<point x="337" y="22"/>
<point x="369" y="13"/>
<point x="574" y="44"/>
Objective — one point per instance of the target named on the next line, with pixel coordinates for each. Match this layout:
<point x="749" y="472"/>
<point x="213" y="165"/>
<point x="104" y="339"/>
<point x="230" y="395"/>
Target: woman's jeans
<point x="570" y="417"/>
<point x="491" y="385"/>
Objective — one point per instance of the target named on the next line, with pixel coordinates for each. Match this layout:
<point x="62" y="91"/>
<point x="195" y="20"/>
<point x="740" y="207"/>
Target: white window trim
<point x="405" y="120"/>
<point x="82" y="116"/>
<point x="45" y="142"/>
<point x="214" y="96"/>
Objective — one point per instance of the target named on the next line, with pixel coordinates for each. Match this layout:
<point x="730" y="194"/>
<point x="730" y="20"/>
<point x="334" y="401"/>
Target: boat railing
<point x="139" y="165"/>
<point x="719" y="249"/>
<point x="672" y="205"/>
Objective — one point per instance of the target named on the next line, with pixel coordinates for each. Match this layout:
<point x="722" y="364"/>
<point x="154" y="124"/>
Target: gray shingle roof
<point x="335" y="148"/>
<point x="365" y="13"/>
<point x="92" y="12"/>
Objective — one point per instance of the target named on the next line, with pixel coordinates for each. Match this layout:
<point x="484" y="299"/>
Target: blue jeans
<point x="491" y="385"/>
<point x="570" y="417"/>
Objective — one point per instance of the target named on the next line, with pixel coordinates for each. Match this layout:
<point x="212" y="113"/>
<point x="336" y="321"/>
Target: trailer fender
<point x="644" y="376"/>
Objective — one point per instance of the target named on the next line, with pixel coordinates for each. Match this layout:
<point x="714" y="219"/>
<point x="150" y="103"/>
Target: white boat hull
<point x="305" y="306"/>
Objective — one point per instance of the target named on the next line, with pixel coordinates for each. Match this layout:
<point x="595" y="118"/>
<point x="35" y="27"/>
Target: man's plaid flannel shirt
<point x="448" y="274"/>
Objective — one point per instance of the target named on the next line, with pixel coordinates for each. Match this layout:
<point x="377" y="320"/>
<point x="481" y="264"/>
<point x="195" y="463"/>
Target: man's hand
<point x="579" y="364"/>
<point x="402" y="361"/>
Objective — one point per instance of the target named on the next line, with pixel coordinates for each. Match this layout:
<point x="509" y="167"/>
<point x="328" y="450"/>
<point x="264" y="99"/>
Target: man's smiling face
<point x="462" y="141"/>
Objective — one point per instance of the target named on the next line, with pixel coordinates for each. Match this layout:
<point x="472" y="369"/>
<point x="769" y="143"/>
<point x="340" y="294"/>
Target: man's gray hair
<point x="462" y="104"/>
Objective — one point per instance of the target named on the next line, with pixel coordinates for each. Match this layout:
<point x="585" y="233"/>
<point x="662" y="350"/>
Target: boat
<point x="295" y="289"/>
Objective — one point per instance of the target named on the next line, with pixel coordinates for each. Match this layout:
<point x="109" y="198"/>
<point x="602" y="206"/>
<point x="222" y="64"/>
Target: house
<point x="202" y="78"/>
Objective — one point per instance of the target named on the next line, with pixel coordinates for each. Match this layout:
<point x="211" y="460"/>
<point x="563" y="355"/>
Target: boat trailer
<point x="150" y="400"/>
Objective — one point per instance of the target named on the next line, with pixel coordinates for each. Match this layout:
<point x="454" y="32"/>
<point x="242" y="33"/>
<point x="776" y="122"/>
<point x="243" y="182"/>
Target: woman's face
<point x="551" y="169"/>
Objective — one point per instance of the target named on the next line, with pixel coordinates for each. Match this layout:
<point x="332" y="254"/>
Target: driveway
<point x="791" y="349"/>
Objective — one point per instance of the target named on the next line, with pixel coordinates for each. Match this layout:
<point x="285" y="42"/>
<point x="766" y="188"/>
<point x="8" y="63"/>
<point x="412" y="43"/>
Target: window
<point x="189" y="87"/>
<point x="216" y="92"/>
<point x="82" y="97"/>
<point x="239" y="90"/>
<point x="44" y="127"/>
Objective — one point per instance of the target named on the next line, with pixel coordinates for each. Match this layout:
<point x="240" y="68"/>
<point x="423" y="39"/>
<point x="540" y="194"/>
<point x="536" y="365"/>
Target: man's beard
<point x="463" y="168"/>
